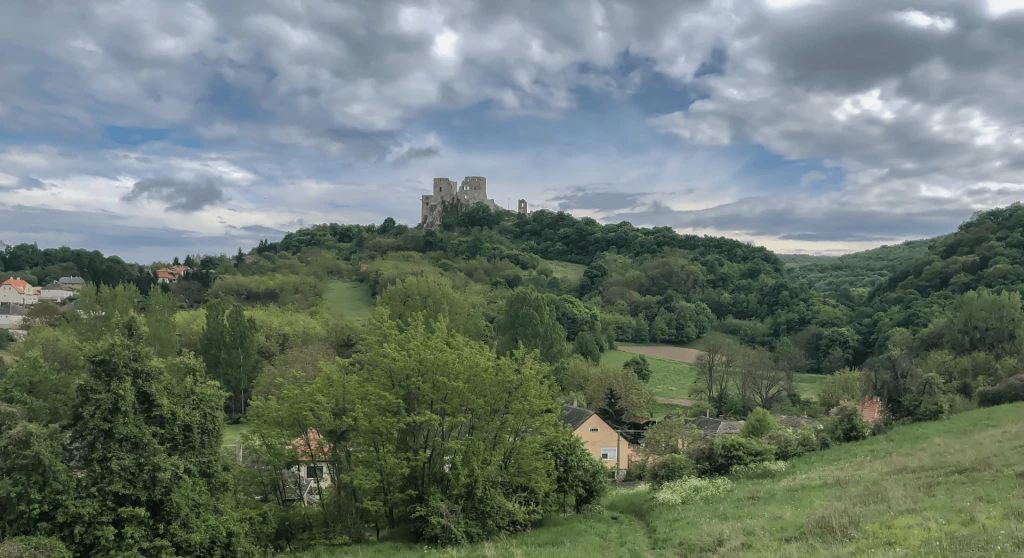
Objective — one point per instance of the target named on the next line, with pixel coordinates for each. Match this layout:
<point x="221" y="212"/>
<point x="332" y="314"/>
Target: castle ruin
<point x="473" y="190"/>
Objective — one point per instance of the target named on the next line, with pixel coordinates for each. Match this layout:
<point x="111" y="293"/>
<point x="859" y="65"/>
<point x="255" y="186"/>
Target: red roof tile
<point x="19" y="285"/>
<point x="315" y="441"/>
<point x="871" y="409"/>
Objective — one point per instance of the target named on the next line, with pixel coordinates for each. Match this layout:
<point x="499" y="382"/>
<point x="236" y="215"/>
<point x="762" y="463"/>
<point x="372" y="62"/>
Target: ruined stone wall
<point x="473" y="190"/>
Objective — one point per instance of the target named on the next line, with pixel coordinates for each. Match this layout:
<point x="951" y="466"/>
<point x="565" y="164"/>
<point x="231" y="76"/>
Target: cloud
<point x="587" y="197"/>
<point x="413" y="153"/>
<point x="811" y="178"/>
<point x="179" y="195"/>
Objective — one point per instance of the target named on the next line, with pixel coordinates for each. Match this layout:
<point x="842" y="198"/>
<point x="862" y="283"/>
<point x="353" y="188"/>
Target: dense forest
<point x="437" y="414"/>
<point x="860" y="271"/>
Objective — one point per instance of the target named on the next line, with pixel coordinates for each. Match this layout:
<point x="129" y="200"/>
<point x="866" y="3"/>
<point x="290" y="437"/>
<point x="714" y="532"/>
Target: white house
<point x="55" y="292"/>
<point x="74" y="283"/>
<point x="16" y="291"/>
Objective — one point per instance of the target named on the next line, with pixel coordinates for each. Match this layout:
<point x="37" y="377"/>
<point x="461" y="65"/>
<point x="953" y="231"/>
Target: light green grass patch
<point x="566" y="270"/>
<point x="232" y="434"/>
<point x="351" y="299"/>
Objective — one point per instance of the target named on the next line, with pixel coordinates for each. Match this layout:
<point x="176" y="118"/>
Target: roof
<point x="22" y="287"/>
<point x="72" y="281"/>
<point x="871" y="409"/>
<point x="56" y="286"/>
<point x="166" y="274"/>
<point x="712" y="426"/>
<point x="315" y="441"/>
<point x="797" y="422"/>
<point x="575" y="416"/>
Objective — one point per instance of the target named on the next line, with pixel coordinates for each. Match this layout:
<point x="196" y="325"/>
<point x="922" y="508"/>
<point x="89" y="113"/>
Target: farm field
<point x="351" y="299"/>
<point x="947" y="489"/>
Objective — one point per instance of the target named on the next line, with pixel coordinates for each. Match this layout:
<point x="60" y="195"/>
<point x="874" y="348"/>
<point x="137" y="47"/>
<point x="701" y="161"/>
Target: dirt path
<point x="670" y="353"/>
<point x="671" y="401"/>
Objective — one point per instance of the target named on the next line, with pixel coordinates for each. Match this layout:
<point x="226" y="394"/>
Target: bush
<point x="33" y="547"/>
<point x="1009" y="390"/>
<point x="5" y="339"/>
<point x="639" y="366"/>
<point x="671" y="467"/>
<point x="692" y="489"/>
<point x="723" y="453"/>
<point x="845" y="424"/>
<point x="763" y="470"/>
<point x="759" y="424"/>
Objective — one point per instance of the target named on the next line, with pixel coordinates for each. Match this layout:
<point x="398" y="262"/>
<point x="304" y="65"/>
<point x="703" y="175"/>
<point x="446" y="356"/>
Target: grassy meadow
<point x="351" y="299"/>
<point x="947" y="489"/>
<point x="566" y="270"/>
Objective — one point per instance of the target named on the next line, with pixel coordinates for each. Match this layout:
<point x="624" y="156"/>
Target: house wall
<point x="8" y="321"/>
<point x="9" y="294"/>
<point x="56" y="296"/>
<point x="605" y="437"/>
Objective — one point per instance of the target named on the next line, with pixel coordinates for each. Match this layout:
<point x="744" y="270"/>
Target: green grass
<point x="711" y="337"/>
<point x="232" y="433"/>
<point x="673" y="379"/>
<point x="948" y="489"/>
<point x="351" y="299"/>
<point x="566" y="270"/>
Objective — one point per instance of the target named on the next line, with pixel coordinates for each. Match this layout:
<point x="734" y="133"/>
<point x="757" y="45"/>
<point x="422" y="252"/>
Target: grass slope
<point x="351" y="299"/>
<point x="953" y="488"/>
<point x="946" y="489"/>
<point x="231" y="434"/>
<point x="566" y="270"/>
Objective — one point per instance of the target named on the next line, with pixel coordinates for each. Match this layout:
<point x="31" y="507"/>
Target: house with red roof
<point x="312" y="451"/>
<point x="17" y="291"/>
<point x="171" y="274"/>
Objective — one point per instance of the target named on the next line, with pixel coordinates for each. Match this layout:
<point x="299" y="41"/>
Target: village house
<point x="171" y="274"/>
<point x="55" y="292"/>
<point x="601" y="439"/>
<point x="17" y="291"/>
<point x="73" y="283"/>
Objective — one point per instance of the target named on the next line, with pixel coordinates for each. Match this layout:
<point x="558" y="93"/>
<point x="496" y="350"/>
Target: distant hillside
<point x="986" y="251"/>
<point x="860" y="270"/>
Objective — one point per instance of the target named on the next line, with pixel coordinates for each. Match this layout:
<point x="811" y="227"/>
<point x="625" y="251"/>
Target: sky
<point x="155" y="128"/>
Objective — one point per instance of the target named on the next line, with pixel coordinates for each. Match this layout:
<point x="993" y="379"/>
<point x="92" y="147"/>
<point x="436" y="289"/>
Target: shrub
<point x="786" y="444"/>
<point x="723" y="453"/>
<point x="845" y="424"/>
<point x="844" y="385"/>
<point x="1009" y="390"/>
<point x="639" y="366"/>
<point x="5" y="339"/>
<point x="671" y="467"/>
<point x="759" y="424"/>
<point x="33" y="547"/>
<point x="763" y="470"/>
<point x="692" y="489"/>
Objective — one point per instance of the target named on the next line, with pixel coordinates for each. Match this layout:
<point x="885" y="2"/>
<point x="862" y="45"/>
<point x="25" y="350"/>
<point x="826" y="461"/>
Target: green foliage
<point x="844" y="424"/>
<point x="1010" y="390"/>
<point x="580" y="479"/>
<point x="670" y="467"/>
<point x="33" y="547"/>
<point x="762" y="470"/>
<point x="44" y="392"/>
<point x="726" y="452"/>
<point x="530" y="321"/>
<point x="760" y="422"/>
<point x="845" y="385"/>
<point x="433" y="297"/>
<point x="299" y="292"/>
<point x="861" y="271"/>
<point x="228" y="348"/>
<point x="639" y="366"/>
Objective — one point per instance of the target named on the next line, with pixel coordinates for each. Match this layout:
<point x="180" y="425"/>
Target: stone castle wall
<point x="473" y="190"/>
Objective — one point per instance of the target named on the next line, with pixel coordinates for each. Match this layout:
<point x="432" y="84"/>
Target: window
<point x="314" y="472"/>
<point x="593" y="429"/>
<point x="608" y="453"/>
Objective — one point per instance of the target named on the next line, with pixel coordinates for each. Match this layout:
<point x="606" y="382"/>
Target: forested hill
<point x="860" y="270"/>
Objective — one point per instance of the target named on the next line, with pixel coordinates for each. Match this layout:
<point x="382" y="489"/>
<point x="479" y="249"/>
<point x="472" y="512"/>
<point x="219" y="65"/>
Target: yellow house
<point x="602" y="440"/>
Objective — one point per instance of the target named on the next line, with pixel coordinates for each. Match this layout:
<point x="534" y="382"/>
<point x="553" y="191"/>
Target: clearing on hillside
<point x="566" y="270"/>
<point x="947" y="489"/>
<point x="351" y="299"/>
<point x="680" y="354"/>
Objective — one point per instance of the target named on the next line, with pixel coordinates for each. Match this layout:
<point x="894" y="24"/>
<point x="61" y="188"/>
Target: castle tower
<point x="522" y="207"/>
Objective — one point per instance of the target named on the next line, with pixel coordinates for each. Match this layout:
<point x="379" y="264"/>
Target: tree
<point x="147" y="454"/>
<point x="432" y="297"/>
<point x="844" y="424"/>
<point x="530" y="321"/>
<point x="159" y="310"/>
<point x="762" y="381"/>
<point x="669" y="436"/>
<point x="239" y="258"/>
<point x="228" y="348"/>
<point x="639" y="366"/>
<point x="759" y="424"/>
<point x="845" y="385"/>
<point x="716" y="371"/>
<point x="176" y="262"/>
